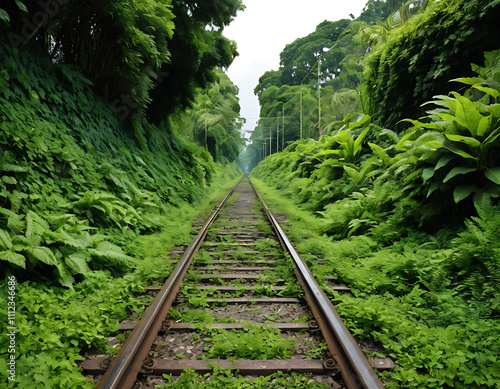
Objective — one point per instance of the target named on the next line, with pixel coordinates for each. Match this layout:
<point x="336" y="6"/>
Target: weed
<point x="438" y="288"/>
<point x="263" y="226"/>
<point x="254" y="342"/>
<point x="318" y="351"/>
<point x="202" y="257"/>
<point x="226" y="379"/>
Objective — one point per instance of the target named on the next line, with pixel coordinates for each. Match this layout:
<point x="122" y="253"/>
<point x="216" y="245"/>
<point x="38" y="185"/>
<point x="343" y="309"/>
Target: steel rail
<point x="354" y="367"/>
<point x="125" y="367"/>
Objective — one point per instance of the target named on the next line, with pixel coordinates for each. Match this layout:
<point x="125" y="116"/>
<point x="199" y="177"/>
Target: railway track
<point x="240" y="297"/>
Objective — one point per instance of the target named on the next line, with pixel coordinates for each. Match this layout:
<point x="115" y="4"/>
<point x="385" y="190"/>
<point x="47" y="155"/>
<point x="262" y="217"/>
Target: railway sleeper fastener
<point x="166" y="325"/>
<point x="330" y="364"/>
<point x="313" y="325"/>
<point x="106" y="363"/>
<point x="148" y="366"/>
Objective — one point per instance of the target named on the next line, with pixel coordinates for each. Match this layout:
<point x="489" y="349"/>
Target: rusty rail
<point x="350" y="360"/>
<point x="125" y="367"/>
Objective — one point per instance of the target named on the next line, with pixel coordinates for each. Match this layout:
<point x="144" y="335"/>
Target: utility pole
<point x="283" y="137"/>
<point x="270" y="140"/>
<point x="277" y="135"/>
<point x="301" y="108"/>
<point x="319" y="100"/>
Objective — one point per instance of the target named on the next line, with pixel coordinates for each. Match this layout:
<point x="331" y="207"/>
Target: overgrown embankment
<point x="87" y="216"/>
<point x="411" y="223"/>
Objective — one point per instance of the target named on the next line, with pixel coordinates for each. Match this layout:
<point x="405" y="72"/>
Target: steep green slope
<point x="87" y="216"/>
<point x="70" y="166"/>
<point x="411" y="224"/>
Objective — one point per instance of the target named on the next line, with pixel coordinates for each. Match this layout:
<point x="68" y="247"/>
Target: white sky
<point x="263" y="30"/>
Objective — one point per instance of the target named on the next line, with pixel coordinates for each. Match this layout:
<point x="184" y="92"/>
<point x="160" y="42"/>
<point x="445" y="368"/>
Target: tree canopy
<point x="143" y="56"/>
<point x="418" y="62"/>
<point x="213" y="121"/>
<point x="198" y="47"/>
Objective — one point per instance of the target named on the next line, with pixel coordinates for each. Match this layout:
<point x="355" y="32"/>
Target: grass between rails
<point x="56" y="325"/>
<point x="226" y="379"/>
<point x="405" y="298"/>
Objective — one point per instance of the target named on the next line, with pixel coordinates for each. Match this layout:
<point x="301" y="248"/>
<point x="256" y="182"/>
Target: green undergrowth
<point x="430" y="299"/>
<point x="226" y="379"/>
<point x="77" y="183"/>
<point x="56" y="325"/>
<point x="410" y="220"/>
<point x="89" y="209"/>
<point x="253" y="342"/>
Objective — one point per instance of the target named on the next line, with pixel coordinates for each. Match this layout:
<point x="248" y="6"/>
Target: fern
<point x="13" y="257"/>
<point x="77" y="262"/>
<point x="5" y="240"/>
<point x="476" y="260"/>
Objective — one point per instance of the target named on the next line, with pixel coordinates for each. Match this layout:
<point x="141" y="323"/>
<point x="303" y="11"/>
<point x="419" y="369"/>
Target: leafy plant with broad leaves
<point x="459" y="152"/>
<point x="346" y="143"/>
<point x="58" y="243"/>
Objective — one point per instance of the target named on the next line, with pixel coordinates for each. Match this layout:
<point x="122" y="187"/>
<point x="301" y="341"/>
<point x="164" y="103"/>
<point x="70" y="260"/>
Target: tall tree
<point x="129" y="48"/>
<point x="214" y="119"/>
<point x="197" y="48"/>
<point x="117" y="44"/>
<point x="376" y="10"/>
<point x="299" y="57"/>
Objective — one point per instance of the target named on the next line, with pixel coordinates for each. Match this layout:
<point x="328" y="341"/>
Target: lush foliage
<point x="213" y="121"/>
<point x="225" y="379"/>
<point x="139" y="54"/>
<point x="377" y="10"/>
<point x="297" y="60"/>
<point x="254" y="342"/>
<point x="333" y="56"/>
<point x="393" y="210"/>
<point x="432" y="48"/>
<point x="407" y="217"/>
<point x="440" y="288"/>
<point x="197" y="48"/>
<point x="91" y="203"/>
<point x="69" y="167"/>
<point x="57" y="325"/>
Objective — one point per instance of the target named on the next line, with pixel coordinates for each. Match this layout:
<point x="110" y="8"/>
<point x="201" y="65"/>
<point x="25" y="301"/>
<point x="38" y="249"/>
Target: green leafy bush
<point x="399" y="228"/>
<point x="432" y="48"/>
<point x="74" y="185"/>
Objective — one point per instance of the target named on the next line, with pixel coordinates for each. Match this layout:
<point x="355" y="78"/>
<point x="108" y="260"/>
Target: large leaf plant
<point x="457" y="144"/>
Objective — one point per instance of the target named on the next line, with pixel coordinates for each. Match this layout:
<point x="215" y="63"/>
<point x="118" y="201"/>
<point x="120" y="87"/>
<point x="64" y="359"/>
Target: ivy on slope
<point x="432" y="48"/>
<point x="71" y="173"/>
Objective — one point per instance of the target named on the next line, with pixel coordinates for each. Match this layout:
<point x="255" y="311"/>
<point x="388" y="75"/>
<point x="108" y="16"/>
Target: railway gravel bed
<point x="240" y="306"/>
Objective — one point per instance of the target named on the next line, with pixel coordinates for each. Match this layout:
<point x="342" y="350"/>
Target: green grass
<point x="225" y="379"/>
<point x="253" y="342"/>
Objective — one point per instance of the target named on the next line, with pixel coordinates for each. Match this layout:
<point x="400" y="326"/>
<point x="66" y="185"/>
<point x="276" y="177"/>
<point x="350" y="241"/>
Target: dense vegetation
<point x="408" y="215"/>
<point x="418" y="61"/>
<point x="116" y="116"/>
<point x="97" y="176"/>
<point x="379" y="64"/>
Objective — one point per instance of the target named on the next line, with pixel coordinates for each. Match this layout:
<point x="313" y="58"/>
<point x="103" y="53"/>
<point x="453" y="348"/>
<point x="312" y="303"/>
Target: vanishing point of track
<point x="229" y="260"/>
